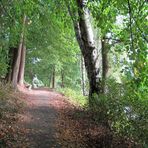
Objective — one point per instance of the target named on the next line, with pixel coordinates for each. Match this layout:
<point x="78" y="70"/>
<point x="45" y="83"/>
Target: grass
<point x="75" y="97"/>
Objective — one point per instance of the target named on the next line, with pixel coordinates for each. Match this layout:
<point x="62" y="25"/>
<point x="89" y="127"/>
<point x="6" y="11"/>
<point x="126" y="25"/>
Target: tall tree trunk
<point x="11" y="58"/>
<point x="17" y="65"/>
<point x="18" y="58"/>
<point x="53" y="77"/>
<point x="22" y="65"/>
<point x="104" y="63"/>
<point x="85" y="37"/>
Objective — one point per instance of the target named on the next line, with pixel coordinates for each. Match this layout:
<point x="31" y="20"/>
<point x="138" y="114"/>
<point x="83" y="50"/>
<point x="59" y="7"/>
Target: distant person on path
<point x="36" y="82"/>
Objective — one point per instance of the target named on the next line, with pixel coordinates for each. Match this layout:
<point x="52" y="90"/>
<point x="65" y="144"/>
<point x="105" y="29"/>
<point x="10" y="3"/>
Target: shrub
<point x="75" y="97"/>
<point x="123" y="110"/>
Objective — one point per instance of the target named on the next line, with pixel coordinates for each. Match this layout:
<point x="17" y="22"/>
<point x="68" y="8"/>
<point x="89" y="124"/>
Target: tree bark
<point x="11" y="58"/>
<point x="17" y="65"/>
<point x="22" y="65"/>
<point x="53" y="77"/>
<point x="85" y="37"/>
<point x="18" y="58"/>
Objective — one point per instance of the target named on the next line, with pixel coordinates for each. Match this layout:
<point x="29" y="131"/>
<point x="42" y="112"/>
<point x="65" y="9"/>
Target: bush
<point x="74" y="97"/>
<point x="123" y="110"/>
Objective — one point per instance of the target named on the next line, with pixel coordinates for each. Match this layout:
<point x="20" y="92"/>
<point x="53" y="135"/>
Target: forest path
<point x="39" y="117"/>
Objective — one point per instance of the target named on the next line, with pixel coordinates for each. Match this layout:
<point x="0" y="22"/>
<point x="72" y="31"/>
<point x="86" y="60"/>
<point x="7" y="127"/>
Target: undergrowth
<point x="75" y="97"/>
<point x="124" y="111"/>
<point x="10" y="107"/>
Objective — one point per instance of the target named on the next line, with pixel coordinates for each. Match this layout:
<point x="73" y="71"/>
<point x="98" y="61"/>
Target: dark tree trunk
<point x="22" y="65"/>
<point x="17" y="66"/>
<point x="18" y="58"/>
<point x="12" y="59"/>
<point x="104" y="63"/>
<point x="53" y="77"/>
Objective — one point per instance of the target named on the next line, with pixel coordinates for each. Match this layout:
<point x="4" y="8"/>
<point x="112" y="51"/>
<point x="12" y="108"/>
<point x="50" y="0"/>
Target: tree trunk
<point x="104" y="63"/>
<point x="53" y="77"/>
<point x="22" y="65"/>
<point x="11" y="58"/>
<point x="18" y="58"/>
<point x="85" y="37"/>
<point x="17" y="65"/>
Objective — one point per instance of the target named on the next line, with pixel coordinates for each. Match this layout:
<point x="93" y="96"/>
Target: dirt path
<point x="39" y="118"/>
<point x="51" y="121"/>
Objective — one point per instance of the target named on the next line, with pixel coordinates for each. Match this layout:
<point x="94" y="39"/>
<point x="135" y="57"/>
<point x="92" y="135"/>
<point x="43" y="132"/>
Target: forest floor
<point x="38" y="120"/>
<point x="50" y="121"/>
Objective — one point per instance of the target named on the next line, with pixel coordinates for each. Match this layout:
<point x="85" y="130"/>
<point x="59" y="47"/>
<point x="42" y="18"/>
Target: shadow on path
<point x="39" y="118"/>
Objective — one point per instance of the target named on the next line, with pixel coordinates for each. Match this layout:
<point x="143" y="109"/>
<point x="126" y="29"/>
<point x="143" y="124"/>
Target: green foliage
<point x="126" y="22"/>
<point x="3" y="57"/>
<point x="75" y="97"/>
<point x="49" y="37"/>
<point x="130" y="37"/>
<point x="123" y="110"/>
<point x="50" y="41"/>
